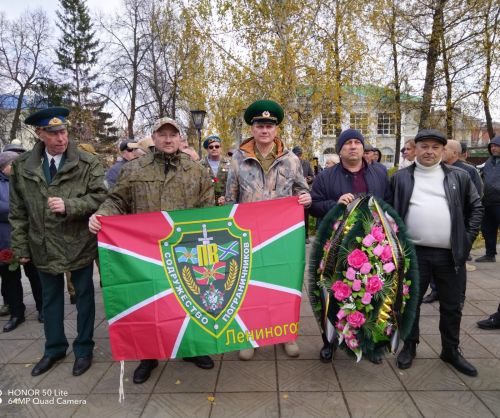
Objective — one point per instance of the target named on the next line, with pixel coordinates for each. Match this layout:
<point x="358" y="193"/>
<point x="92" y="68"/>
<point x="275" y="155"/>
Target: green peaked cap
<point x="264" y="111"/>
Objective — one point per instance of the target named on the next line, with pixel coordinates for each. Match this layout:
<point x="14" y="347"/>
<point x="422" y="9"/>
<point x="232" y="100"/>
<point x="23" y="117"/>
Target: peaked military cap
<point x="50" y="119"/>
<point x="264" y="111"/>
<point x="209" y="139"/>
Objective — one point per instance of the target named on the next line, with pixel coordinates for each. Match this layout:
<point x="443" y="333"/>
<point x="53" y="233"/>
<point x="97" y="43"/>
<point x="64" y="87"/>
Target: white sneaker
<point x="291" y="349"/>
<point x="246" y="354"/>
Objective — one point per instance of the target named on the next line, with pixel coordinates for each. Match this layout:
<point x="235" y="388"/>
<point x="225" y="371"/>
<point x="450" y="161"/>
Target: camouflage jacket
<point x="157" y="182"/>
<point x="55" y="243"/>
<point x="247" y="181"/>
<point x="220" y="180"/>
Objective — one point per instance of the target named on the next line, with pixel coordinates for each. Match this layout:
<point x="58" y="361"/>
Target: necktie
<point x="52" y="168"/>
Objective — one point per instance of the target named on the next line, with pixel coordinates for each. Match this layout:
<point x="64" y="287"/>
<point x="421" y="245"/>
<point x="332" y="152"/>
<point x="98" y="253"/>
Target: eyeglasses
<point x="213" y="146"/>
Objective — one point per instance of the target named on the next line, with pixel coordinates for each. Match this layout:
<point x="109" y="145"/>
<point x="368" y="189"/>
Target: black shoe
<point x="327" y="352"/>
<point x="143" y="370"/>
<point x="455" y="358"/>
<point x="72" y="299"/>
<point x="203" y="362"/>
<point x="406" y="355"/>
<point x="45" y="364"/>
<point x="82" y="364"/>
<point x="431" y="297"/>
<point x="493" y="322"/>
<point x="486" y="259"/>
<point x="13" y="323"/>
<point x="376" y="358"/>
<point x="40" y="317"/>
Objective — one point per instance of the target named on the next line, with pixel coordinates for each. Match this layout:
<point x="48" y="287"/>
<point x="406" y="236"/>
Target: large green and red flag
<point x="202" y="281"/>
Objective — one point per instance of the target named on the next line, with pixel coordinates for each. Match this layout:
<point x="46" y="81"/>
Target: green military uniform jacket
<point x="144" y="185"/>
<point x="219" y="181"/>
<point x="56" y="243"/>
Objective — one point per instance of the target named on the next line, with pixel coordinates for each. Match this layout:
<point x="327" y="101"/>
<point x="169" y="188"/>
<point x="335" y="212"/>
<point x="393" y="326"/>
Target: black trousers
<point x="12" y="288"/>
<point x="489" y="228"/>
<point x="437" y="263"/>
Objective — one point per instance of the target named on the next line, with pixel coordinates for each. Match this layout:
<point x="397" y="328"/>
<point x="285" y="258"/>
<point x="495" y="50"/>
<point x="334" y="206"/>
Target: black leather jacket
<point x="463" y="200"/>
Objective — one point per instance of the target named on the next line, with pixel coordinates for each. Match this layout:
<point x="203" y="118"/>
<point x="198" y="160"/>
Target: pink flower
<point x="356" y="285"/>
<point x="406" y="289"/>
<point x="340" y="325"/>
<point x="350" y="273"/>
<point x="394" y="227"/>
<point x="327" y="246"/>
<point x="378" y="250"/>
<point x="378" y="233"/>
<point x="341" y="290"/>
<point x="365" y="268"/>
<point x="388" y="330"/>
<point x="322" y="265"/>
<point x="389" y="267"/>
<point x="368" y="240"/>
<point x="374" y="284"/>
<point x="336" y="225"/>
<point x="352" y="343"/>
<point x="341" y="314"/>
<point x="366" y="299"/>
<point x="357" y="258"/>
<point x="356" y="319"/>
<point x="386" y="254"/>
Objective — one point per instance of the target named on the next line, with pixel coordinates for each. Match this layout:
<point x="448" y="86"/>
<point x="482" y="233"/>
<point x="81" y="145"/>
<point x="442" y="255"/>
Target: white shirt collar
<point x="57" y="158"/>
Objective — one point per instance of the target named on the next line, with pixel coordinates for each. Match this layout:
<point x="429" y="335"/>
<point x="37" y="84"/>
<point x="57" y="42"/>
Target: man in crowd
<point x="54" y="189"/>
<point x="29" y="269"/>
<point x="161" y="181"/>
<point x="189" y="150"/>
<point x="408" y="154"/>
<point x="491" y="201"/>
<point x="451" y="156"/>
<point x="351" y="177"/>
<point x="308" y="173"/>
<point x="442" y="211"/>
<point x="341" y="184"/>
<point x="12" y="287"/>
<point x="262" y="169"/>
<point x="129" y="151"/>
<point x="216" y="165"/>
<point x="369" y="154"/>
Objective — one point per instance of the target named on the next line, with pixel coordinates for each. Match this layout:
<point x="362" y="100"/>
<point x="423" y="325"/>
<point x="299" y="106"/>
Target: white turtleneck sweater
<point x="428" y="219"/>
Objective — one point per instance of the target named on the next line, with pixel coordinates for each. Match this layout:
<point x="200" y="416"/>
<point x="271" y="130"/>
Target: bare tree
<point x="22" y="44"/>
<point x="127" y="47"/>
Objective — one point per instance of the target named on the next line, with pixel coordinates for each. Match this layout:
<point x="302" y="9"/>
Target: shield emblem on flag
<point x="208" y="265"/>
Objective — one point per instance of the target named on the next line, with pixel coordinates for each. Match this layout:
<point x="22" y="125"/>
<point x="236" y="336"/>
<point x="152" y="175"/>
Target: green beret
<point x="209" y="139"/>
<point x="264" y="111"/>
<point x="50" y="119"/>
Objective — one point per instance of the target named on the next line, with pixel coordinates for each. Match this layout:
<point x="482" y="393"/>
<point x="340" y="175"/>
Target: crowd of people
<point x="51" y="199"/>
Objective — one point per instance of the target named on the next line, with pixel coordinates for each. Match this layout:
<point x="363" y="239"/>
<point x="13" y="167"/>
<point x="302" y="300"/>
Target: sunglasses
<point x="213" y="146"/>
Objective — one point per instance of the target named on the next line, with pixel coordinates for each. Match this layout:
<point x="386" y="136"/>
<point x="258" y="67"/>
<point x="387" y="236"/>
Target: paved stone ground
<point x="271" y="385"/>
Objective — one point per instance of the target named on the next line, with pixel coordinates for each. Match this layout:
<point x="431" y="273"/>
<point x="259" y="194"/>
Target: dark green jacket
<point x="55" y="243"/>
<point x="157" y="182"/>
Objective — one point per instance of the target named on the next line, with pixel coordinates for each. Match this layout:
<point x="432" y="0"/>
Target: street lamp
<point x="198" y="118"/>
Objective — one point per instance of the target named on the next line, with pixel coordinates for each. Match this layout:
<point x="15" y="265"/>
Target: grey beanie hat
<point x="6" y="158"/>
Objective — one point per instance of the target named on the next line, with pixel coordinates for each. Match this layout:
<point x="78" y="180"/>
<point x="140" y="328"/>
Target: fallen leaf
<point x="210" y="398"/>
<point x="285" y="396"/>
<point x="177" y="382"/>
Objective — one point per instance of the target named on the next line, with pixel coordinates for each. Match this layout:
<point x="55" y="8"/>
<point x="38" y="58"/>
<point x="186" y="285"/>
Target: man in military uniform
<point x="161" y="181"/>
<point x="263" y="169"/>
<point x="54" y="190"/>
<point x="216" y="165"/>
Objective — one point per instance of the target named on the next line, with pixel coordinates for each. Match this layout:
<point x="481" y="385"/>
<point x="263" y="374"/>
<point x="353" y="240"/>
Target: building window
<point x="327" y="124"/>
<point x="359" y="121"/>
<point x="386" y="124"/>
<point x="387" y="155"/>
